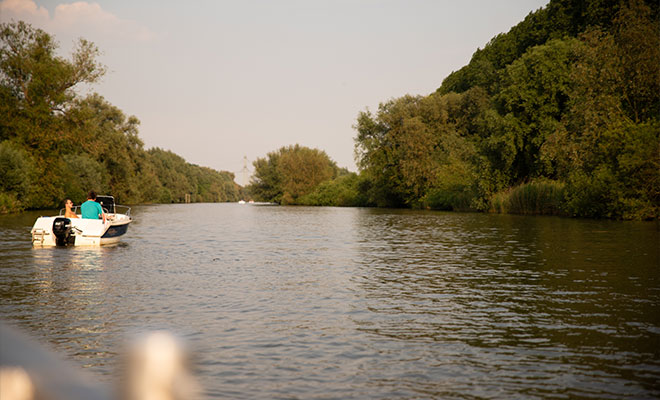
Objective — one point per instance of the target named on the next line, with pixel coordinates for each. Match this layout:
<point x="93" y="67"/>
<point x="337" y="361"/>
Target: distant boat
<point x="241" y="202"/>
<point x="62" y="231"/>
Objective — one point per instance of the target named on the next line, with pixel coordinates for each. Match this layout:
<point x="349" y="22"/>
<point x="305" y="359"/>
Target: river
<point x="349" y="303"/>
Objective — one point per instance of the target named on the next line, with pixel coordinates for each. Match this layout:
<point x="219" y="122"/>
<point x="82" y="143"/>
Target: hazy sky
<point x="214" y="81"/>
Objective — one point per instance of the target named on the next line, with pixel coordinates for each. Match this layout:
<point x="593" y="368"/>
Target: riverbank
<point x="527" y="200"/>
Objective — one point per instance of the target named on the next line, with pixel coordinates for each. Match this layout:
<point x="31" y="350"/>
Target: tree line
<point x="561" y="115"/>
<point x="56" y="144"/>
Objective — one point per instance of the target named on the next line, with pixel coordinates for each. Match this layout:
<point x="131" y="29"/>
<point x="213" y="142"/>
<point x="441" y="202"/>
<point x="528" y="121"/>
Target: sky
<point x="216" y="81"/>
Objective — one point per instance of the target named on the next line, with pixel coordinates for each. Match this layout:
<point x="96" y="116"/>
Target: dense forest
<point x="561" y="115"/>
<point x="55" y="143"/>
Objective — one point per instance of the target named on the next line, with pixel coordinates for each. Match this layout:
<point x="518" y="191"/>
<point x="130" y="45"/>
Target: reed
<point x="538" y="197"/>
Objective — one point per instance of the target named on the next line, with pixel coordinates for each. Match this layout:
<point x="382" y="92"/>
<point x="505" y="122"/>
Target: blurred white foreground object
<point x="15" y="384"/>
<point x="158" y="369"/>
<point x="39" y="374"/>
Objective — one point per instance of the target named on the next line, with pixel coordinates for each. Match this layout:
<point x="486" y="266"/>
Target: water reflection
<point x="523" y="297"/>
<point x="63" y="293"/>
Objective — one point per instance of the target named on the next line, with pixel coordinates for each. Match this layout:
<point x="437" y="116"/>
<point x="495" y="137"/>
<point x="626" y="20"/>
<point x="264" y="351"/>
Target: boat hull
<point x="81" y="232"/>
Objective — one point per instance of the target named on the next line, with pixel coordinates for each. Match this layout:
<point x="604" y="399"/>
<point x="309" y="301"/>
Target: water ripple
<point x="296" y="302"/>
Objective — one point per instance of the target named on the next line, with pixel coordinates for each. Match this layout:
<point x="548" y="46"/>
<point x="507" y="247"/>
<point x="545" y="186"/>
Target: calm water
<point x="281" y="302"/>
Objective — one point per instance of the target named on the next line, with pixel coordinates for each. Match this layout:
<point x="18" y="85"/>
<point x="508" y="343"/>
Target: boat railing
<point x="118" y="209"/>
<point x="126" y="210"/>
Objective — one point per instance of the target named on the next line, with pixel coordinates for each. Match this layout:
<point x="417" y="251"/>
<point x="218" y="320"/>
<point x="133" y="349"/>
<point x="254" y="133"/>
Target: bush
<point x="455" y="188"/>
<point x="9" y="203"/>
<point x="591" y="195"/>
<point x="16" y="170"/>
<point x="449" y="198"/>
<point x="343" y="191"/>
<point x="539" y="197"/>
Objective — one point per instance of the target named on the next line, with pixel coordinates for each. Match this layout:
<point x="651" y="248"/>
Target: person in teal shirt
<point x="91" y="209"/>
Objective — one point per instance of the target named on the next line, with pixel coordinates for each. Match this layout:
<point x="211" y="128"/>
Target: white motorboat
<point x="62" y="231"/>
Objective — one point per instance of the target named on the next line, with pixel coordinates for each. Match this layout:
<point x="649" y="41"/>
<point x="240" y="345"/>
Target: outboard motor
<point x="62" y="231"/>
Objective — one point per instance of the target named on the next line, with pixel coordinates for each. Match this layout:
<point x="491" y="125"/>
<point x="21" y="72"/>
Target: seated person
<point x="68" y="204"/>
<point x="91" y="209"/>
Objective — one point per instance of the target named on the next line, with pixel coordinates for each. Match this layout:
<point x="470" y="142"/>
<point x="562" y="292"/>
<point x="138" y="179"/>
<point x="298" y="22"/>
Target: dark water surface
<point x="283" y="302"/>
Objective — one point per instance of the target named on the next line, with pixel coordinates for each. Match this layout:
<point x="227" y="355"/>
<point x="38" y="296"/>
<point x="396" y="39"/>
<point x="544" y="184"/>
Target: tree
<point x="395" y="149"/>
<point x="35" y="76"/>
<point x="533" y="99"/>
<point x="266" y="183"/>
<point x="558" y="20"/>
<point x="609" y="152"/>
<point x="37" y="89"/>
<point x="17" y="172"/>
<point x="290" y="173"/>
<point x="545" y="102"/>
<point x="55" y="144"/>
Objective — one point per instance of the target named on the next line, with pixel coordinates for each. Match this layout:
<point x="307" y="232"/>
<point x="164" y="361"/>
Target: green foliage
<point x="9" y="203"/>
<point x="609" y="151"/>
<point x="266" y="184"/>
<point x="17" y="171"/>
<point x="539" y="197"/>
<point x="559" y="115"/>
<point x="455" y="188"/>
<point x="290" y="173"/>
<point x="623" y="181"/>
<point x="344" y="191"/>
<point x="402" y="148"/>
<point x="35" y="76"/>
<point x="533" y="98"/>
<point x="302" y="169"/>
<point x="179" y="178"/>
<point x="560" y="18"/>
<point x="82" y="173"/>
<point x="55" y="144"/>
<point x="592" y="195"/>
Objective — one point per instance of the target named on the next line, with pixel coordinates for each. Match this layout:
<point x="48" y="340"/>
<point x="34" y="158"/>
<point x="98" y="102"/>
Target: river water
<point x="346" y="303"/>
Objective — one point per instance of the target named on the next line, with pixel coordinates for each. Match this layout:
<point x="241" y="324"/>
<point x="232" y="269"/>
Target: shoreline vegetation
<point x="558" y="116"/>
<point x="55" y="144"/>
